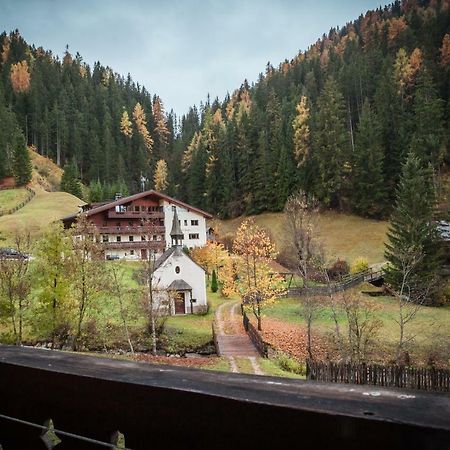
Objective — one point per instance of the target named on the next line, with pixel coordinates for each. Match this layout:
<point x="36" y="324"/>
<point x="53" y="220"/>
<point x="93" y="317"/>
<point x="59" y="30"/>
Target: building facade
<point x="133" y="227"/>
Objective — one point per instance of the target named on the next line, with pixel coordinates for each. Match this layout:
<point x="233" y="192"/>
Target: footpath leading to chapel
<point x="232" y="340"/>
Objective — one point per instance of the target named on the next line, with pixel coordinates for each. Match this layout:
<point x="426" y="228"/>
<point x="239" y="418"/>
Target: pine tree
<point x="214" y="285"/>
<point x="368" y="195"/>
<point x="70" y="182"/>
<point x="413" y="243"/>
<point x="22" y="167"/>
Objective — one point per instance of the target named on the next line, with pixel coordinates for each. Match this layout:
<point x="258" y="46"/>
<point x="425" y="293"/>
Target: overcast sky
<point x="180" y="49"/>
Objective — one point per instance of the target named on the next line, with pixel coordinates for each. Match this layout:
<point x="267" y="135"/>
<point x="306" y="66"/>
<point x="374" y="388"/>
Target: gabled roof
<point x="131" y="198"/>
<point x="179" y="285"/>
<point x="178" y="251"/>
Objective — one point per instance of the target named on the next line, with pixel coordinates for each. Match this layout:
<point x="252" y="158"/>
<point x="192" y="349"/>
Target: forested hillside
<point x="337" y="120"/>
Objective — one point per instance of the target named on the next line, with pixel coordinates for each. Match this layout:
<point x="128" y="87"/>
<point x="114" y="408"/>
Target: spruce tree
<point x="214" y="285"/>
<point x="69" y="181"/>
<point x="413" y="241"/>
<point x="22" y="167"/>
<point x="368" y="195"/>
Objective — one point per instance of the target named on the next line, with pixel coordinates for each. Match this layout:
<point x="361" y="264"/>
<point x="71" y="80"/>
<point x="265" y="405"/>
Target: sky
<point x="180" y="50"/>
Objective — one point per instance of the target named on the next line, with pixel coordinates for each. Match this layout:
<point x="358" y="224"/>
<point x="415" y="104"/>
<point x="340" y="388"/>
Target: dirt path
<point x="233" y="341"/>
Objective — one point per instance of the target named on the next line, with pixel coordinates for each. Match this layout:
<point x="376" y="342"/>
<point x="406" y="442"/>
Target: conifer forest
<point x="338" y="120"/>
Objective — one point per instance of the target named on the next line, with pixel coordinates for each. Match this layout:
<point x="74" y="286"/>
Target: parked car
<point x="11" y="253"/>
<point x="112" y="257"/>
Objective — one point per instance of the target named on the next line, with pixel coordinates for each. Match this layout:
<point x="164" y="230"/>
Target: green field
<point x="343" y="236"/>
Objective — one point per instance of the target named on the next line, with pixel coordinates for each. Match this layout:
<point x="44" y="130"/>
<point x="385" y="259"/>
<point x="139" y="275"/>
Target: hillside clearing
<point x="344" y="236"/>
<point x="9" y="198"/>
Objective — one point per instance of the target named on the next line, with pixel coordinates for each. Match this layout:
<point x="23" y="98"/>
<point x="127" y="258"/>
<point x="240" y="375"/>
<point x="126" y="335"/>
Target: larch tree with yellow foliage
<point x="256" y="283"/>
<point x="126" y="125"/>
<point x="140" y="121"/>
<point x="20" y="77"/>
<point x="302" y="138"/>
<point x="161" y="176"/>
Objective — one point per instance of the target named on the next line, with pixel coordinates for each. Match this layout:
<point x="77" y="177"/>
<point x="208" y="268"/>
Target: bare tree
<point x="301" y="223"/>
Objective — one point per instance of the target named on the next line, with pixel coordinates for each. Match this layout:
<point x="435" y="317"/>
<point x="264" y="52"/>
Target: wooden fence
<point x="254" y="335"/>
<point x="378" y="375"/>
<point x="31" y="194"/>
<point x="347" y="282"/>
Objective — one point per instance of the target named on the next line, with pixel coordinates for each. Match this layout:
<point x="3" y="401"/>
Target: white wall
<point x="190" y="272"/>
<point x="185" y="215"/>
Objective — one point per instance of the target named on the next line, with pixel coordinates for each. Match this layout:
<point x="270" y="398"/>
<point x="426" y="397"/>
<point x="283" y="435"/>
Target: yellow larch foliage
<point x="415" y="60"/>
<point x="5" y="49"/>
<point x="20" y="77"/>
<point x="406" y="69"/>
<point x="161" y="130"/>
<point x="217" y="118"/>
<point x="396" y="27"/>
<point x="141" y="125"/>
<point x="301" y="132"/>
<point x="125" y="125"/>
<point x="83" y="71"/>
<point x="445" y="51"/>
<point x="161" y="176"/>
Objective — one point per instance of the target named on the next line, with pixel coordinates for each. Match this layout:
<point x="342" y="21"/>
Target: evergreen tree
<point x="214" y="285"/>
<point x="22" y="163"/>
<point x="368" y="196"/>
<point x="331" y="145"/>
<point x="413" y="242"/>
<point x="70" y="182"/>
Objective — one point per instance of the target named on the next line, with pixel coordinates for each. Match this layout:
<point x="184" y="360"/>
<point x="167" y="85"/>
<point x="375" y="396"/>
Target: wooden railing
<point x="156" y="406"/>
<point x="378" y="375"/>
<point x="142" y="230"/>
<point x="254" y="335"/>
<point x="31" y="194"/>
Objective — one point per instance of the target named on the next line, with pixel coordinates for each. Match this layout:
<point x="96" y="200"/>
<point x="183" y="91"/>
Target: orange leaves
<point x="301" y="138"/>
<point x="445" y="51"/>
<point x="125" y="125"/>
<point x="406" y="69"/>
<point x="161" y="130"/>
<point x="20" y="77"/>
<point x="160" y="177"/>
<point x="252" y="240"/>
<point x="141" y="125"/>
<point x="396" y="27"/>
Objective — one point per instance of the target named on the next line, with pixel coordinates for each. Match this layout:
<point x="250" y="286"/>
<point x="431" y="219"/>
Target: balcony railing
<point x="156" y="406"/>
<point x="135" y="244"/>
<point x="141" y="230"/>
<point x="129" y="214"/>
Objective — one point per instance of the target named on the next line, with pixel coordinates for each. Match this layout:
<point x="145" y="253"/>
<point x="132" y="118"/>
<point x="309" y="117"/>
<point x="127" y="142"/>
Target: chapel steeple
<point x="176" y="234"/>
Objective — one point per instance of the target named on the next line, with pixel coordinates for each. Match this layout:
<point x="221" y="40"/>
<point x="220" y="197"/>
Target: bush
<point x="359" y="265"/>
<point x="289" y="364"/>
<point x="338" y="269"/>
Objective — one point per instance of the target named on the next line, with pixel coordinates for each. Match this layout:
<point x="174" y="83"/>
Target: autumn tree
<point x="302" y="135"/>
<point x="140" y="121"/>
<point x="160" y="178"/>
<point x="161" y="130"/>
<point x="257" y="284"/>
<point x="212" y="257"/>
<point x="20" y="77"/>
<point x="126" y="125"/>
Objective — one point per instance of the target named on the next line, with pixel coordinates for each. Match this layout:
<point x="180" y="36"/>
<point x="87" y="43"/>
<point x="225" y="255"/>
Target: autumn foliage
<point x="20" y="77"/>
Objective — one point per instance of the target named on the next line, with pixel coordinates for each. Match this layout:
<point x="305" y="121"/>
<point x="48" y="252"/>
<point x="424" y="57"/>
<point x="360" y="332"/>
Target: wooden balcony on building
<point x="129" y="214"/>
<point x="142" y="230"/>
<point x="157" y="245"/>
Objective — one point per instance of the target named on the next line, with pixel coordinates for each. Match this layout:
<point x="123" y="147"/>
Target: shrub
<point x="359" y="265"/>
<point x="338" y="269"/>
<point x="289" y="364"/>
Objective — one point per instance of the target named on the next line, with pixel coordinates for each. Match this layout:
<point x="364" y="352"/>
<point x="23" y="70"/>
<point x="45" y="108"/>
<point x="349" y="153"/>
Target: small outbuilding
<point x="177" y="279"/>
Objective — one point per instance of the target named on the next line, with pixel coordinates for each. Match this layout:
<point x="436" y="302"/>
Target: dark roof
<point x="164" y="257"/>
<point x="131" y="198"/>
<point x="179" y="285"/>
<point x="176" y="229"/>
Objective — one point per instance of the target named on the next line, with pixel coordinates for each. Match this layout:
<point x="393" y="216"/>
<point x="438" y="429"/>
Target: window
<point x="136" y="208"/>
<point x="118" y="238"/>
<point x="154" y="237"/>
<point x="131" y="252"/>
<point x="177" y="269"/>
<point x="185" y="223"/>
<point x="193" y="236"/>
<point x="143" y="238"/>
<point x="131" y="238"/>
<point x="194" y="223"/>
<point x="105" y="238"/>
<point x="142" y="208"/>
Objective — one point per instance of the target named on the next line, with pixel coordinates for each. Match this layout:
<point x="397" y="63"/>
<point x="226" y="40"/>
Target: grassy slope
<point x="46" y="207"/>
<point x="12" y="197"/>
<point x="344" y="236"/>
